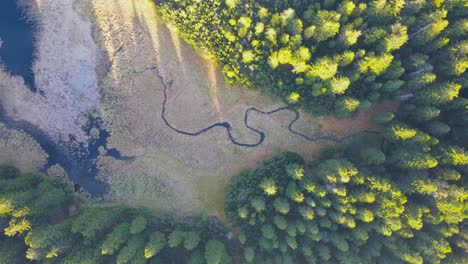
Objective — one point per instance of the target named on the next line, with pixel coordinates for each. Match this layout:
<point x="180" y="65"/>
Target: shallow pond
<point x="16" y="54"/>
<point x="17" y="34"/>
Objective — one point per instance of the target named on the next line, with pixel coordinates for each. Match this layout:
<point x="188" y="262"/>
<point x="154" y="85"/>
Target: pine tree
<point x="94" y="220"/>
<point x="281" y="205"/>
<point x="437" y="128"/>
<point x="175" y="238"/>
<point x="399" y="131"/>
<point x="191" y="241"/>
<point x="383" y="117"/>
<point x="327" y="25"/>
<point x="439" y="94"/>
<point x="133" y="249"/>
<point x="17" y="227"/>
<point x="411" y="159"/>
<point x="345" y="106"/>
<point x="269" y="186"/>
<point x="138" y="225"/>
<point x="295" y="171"/>
<point x="294" y="193"/>
<point x="339" y="85"/>
<point x="268" y="232"/>
<point x="451" y="155"/>
<point x="397" y="37"/>
<point x="372" y="156"/>
<point x="324" y="68"/>
<point x="280" y="222"/>
<point x="249" y="254"/>
<point x="447" y="174"/>
<point x="157" y="242"/>
<point x="258" y="203"/>
<point x="214" y="252"/>
<point x="117" y="238"/>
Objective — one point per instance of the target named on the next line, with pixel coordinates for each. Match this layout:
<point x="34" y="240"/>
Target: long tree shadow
<point x="167" y="84"/>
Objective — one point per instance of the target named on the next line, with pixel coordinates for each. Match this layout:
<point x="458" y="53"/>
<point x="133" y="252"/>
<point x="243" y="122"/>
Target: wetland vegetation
<point x="395" y="195"/>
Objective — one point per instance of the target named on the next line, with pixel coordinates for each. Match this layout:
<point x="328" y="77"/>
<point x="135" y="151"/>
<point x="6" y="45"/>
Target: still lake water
<point x="16" y="54"/>
<point x="17" y="34"/>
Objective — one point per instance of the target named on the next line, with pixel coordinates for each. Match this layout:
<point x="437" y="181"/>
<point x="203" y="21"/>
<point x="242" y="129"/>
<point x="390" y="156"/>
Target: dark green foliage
<point x="191" y="241"/>
<point x="133" y="250"/>
<point x="175" y="238"/>
<point x="372" y="156"/>
<point x="157" y="241"/>
<point x="98" y="234"/>
<point x="138" y="225"/>
<point x="8" y="172"/>
<point x="437" y="128"/>
<point x="398" y="197"/>
<point x="309" y="54"/>
<point x="115" y="239"/>
<point x="10" y="251"/>
<point x="350" y="214"/>
<point x="215" y="253"/>
<point x="94" y="221"/>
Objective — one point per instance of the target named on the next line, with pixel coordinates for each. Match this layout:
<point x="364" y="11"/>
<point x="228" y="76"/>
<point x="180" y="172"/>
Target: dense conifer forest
<point x="43" y="221"/>
<point x="332" y="56"/>
<point x="397" y="196"/>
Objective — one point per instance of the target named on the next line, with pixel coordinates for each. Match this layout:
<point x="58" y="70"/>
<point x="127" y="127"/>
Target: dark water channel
<point x="78" y="160"/>
<point x="17" y="34"/>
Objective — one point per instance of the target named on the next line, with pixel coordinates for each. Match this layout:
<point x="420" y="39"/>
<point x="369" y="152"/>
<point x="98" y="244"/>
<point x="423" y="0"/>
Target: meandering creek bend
<point x="80" y="162"/>
<point x="261" y="134"/>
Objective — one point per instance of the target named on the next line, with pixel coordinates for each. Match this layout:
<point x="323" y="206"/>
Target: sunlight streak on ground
<point x="39" y="4"/>
<point x="214" y="88"/>
<point x="147" y="15"/>
<point x="176" y="42"/>
<point x="116" y="36"/>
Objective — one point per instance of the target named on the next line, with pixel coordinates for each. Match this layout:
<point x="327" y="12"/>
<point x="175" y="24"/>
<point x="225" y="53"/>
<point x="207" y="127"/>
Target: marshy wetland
<point x="134" y="114"/>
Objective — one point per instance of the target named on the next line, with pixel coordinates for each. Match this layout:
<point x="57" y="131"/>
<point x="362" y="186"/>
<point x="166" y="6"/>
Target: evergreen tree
<point x="138" y="225"/>
<point x="116" y="239"/>
<point x="175" y="238"/>
<point x="157" y="242"/>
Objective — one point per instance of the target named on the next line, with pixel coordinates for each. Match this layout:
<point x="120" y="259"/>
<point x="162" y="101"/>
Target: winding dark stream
<point x="77" y="159"/>
<point x="261" y="134"/>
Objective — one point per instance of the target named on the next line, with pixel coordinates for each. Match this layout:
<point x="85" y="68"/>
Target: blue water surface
<point x="17" y="34"/>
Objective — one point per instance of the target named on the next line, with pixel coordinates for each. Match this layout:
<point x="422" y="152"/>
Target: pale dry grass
<point x="64" y="70"/>
<point x="171" y="171"/>
<point x="19" y="149"/>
